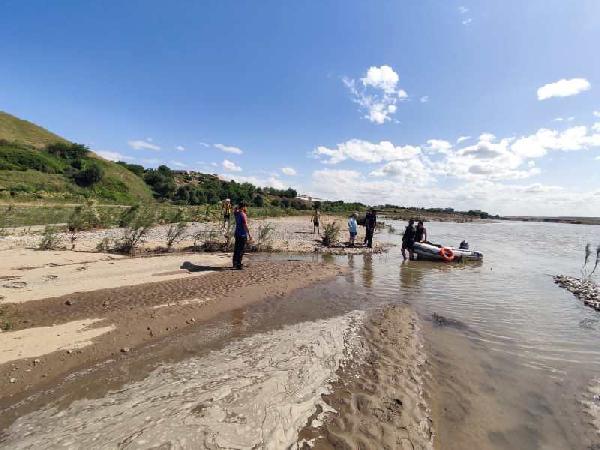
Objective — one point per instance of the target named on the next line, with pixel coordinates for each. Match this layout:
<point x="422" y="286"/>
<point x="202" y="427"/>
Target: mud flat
<point x="46" y="339"/>
<point x="378" y="401"/>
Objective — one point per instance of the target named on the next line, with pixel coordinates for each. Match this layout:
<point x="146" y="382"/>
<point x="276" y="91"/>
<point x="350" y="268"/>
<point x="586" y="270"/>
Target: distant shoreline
<point x="565" y="219"/>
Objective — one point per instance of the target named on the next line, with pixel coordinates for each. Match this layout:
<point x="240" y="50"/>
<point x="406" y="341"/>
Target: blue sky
<point x="361" y="100"/>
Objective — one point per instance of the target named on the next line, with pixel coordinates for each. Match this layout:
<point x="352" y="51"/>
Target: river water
<point x="513" y="360"/>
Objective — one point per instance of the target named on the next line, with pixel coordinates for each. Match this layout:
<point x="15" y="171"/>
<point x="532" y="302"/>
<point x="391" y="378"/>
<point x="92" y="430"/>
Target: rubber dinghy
<point x="432" y="252"/>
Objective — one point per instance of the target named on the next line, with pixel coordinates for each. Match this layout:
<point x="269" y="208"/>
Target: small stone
<point x="36" y="362"/>
<point x="125" y="350"/>
<point x="12" y="380"/>
<point x="68" y="303"/>
<point x="69" y="352"/>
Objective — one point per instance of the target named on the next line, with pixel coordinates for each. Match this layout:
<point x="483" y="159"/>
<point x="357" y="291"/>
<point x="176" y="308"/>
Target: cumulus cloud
<point x="563" y="88"/>
<point x="596" y="114"/>
<point x="140" y="144"/>
<point x="229" y="149"/>
<point x="230" y="166"/>
<point x="377" y="93"/>
<point x="365" y="151"/>
<point x="438" y="146"/>
<point x="544" y="140"/>
<point x="180" y="148"/>
<point x="114" y="156"/>
<point x="462" y="139"/>
<point x="409" y="171"/>
<point x="290" y="171"/>
<point x="271" y="181"/>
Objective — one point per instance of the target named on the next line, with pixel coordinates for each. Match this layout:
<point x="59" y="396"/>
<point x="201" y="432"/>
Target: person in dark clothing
<point x="242" y="235"/>
<point x="370" y="223"/>
<point x="421" y="233"/>
<point x="408" y="239"/>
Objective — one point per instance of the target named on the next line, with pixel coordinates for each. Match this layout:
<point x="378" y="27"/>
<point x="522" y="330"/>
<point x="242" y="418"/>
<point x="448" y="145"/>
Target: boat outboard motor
<point x="464" y="245"/>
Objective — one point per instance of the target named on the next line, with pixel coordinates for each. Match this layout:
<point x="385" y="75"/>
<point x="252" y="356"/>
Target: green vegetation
<point x="331" y="234"/>
<point x="13" y="129"/>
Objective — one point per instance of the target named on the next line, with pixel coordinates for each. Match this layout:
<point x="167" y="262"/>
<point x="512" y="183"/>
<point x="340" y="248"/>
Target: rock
<point x="69" y="302"/>
<point x="125" y="350"/>
<point x="36" y="362"/>
<point x="12" y="380"/>
<point x="69" y="352"/>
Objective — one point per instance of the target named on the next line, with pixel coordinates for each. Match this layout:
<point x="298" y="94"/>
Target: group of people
<point x="370" y="224"/>
<point x="411" y="235"/>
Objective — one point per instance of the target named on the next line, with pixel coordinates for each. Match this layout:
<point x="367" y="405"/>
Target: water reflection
<point x="367" y="270"/>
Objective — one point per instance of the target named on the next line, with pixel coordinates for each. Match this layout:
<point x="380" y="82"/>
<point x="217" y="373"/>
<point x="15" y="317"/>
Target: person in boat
<point x="352" y="228"/>
<point x="316" y="220"/>
<point x="408" y="240"/>
<point x="421" y="232"/>
<point x="370" y="223"/>
<point x="242" y="235"/>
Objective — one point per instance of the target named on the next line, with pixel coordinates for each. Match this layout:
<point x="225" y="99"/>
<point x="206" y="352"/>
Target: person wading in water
<point x="408" y="240"/>
<point x="370" y="223"/>
<point x="242" y="235"/>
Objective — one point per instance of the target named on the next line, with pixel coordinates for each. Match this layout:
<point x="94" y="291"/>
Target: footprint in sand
<point x="15" y="285"/>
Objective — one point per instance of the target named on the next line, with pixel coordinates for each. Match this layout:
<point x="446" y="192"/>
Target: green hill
<point x="37" y="164"/>
<point x="14" y="129"/>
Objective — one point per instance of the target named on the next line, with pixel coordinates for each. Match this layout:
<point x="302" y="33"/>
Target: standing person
<point x="421" y="233"/>
<point x="242" y="235"/>
<point x="352" y="228"/>
<point x="370" y="223"/>
<point x="408" y="239"/>
<point x="226" y="208"/>
<point x="316" y="220"/>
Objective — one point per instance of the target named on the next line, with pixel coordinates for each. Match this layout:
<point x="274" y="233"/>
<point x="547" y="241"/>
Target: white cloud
<point x="143" y="144"/>
<point x="379" y="94"/>
<point x="544" y="140"/>
<point x="289" y="171"/>
<point x="438" y="146"/>
<point x="596" y="114"/>
<point x="563" y="88"/>
<point x="412" y="171"/>
<point x="564" y="119"/>
<point x="230" y="166"/>
<point x="462" y="139"/>
<point x="204" y="144"/>
<point x="178" y="164"/>
<point x="424" y="99"/>
<point x="467" y="21"/>
<point x="151" y="161"/>
<point x="114" y="156"/>
<point x="229" y="149"/>
<point x="463" y="9"/>
<point x="180" y="148"/>
<point x="383" y="78"/>
<point x="365" y="151"/>
<point x="272" y="181"/>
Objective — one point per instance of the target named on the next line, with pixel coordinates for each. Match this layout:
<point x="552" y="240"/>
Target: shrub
<point x="84" y="217"/>
<point x="90" y="175"/>
<point x="331" y="234"/>
<point x="265" y="236"/>
<point x="175" y="233"/>
<point x="136" y="221"/>
<point x="51" y="239"/>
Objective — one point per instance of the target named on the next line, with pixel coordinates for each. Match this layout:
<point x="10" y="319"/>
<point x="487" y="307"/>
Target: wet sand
<point x="81" y="329"/>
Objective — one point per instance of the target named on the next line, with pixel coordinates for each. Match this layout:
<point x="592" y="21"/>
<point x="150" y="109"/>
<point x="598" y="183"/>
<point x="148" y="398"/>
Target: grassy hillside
<point x="14" y="129"/>
<point x="33" y="166"/>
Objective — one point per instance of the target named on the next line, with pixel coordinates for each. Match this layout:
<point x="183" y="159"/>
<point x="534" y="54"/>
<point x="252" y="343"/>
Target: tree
<point x="90" y="175"/>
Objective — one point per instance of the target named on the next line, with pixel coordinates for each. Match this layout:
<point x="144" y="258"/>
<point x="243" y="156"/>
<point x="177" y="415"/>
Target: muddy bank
<point x="378" y="400"/>
<point x="119" y="319"/>
<point x="256" y="392"/>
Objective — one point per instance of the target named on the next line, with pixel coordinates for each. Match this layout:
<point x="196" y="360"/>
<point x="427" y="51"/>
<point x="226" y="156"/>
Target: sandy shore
<point x="288" y="234"/>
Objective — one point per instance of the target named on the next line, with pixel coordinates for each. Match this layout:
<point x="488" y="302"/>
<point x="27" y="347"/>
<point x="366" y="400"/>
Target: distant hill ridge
<point x="14" y="129"/>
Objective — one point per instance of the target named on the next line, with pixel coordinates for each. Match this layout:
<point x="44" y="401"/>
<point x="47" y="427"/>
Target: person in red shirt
<point x="242" y="235"/>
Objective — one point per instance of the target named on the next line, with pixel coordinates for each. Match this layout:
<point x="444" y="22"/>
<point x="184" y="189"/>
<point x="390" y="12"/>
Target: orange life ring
<point x="446" y="254"/>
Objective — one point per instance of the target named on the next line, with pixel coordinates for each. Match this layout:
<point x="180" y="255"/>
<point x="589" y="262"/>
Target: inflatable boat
<point x="432" y="252"/>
